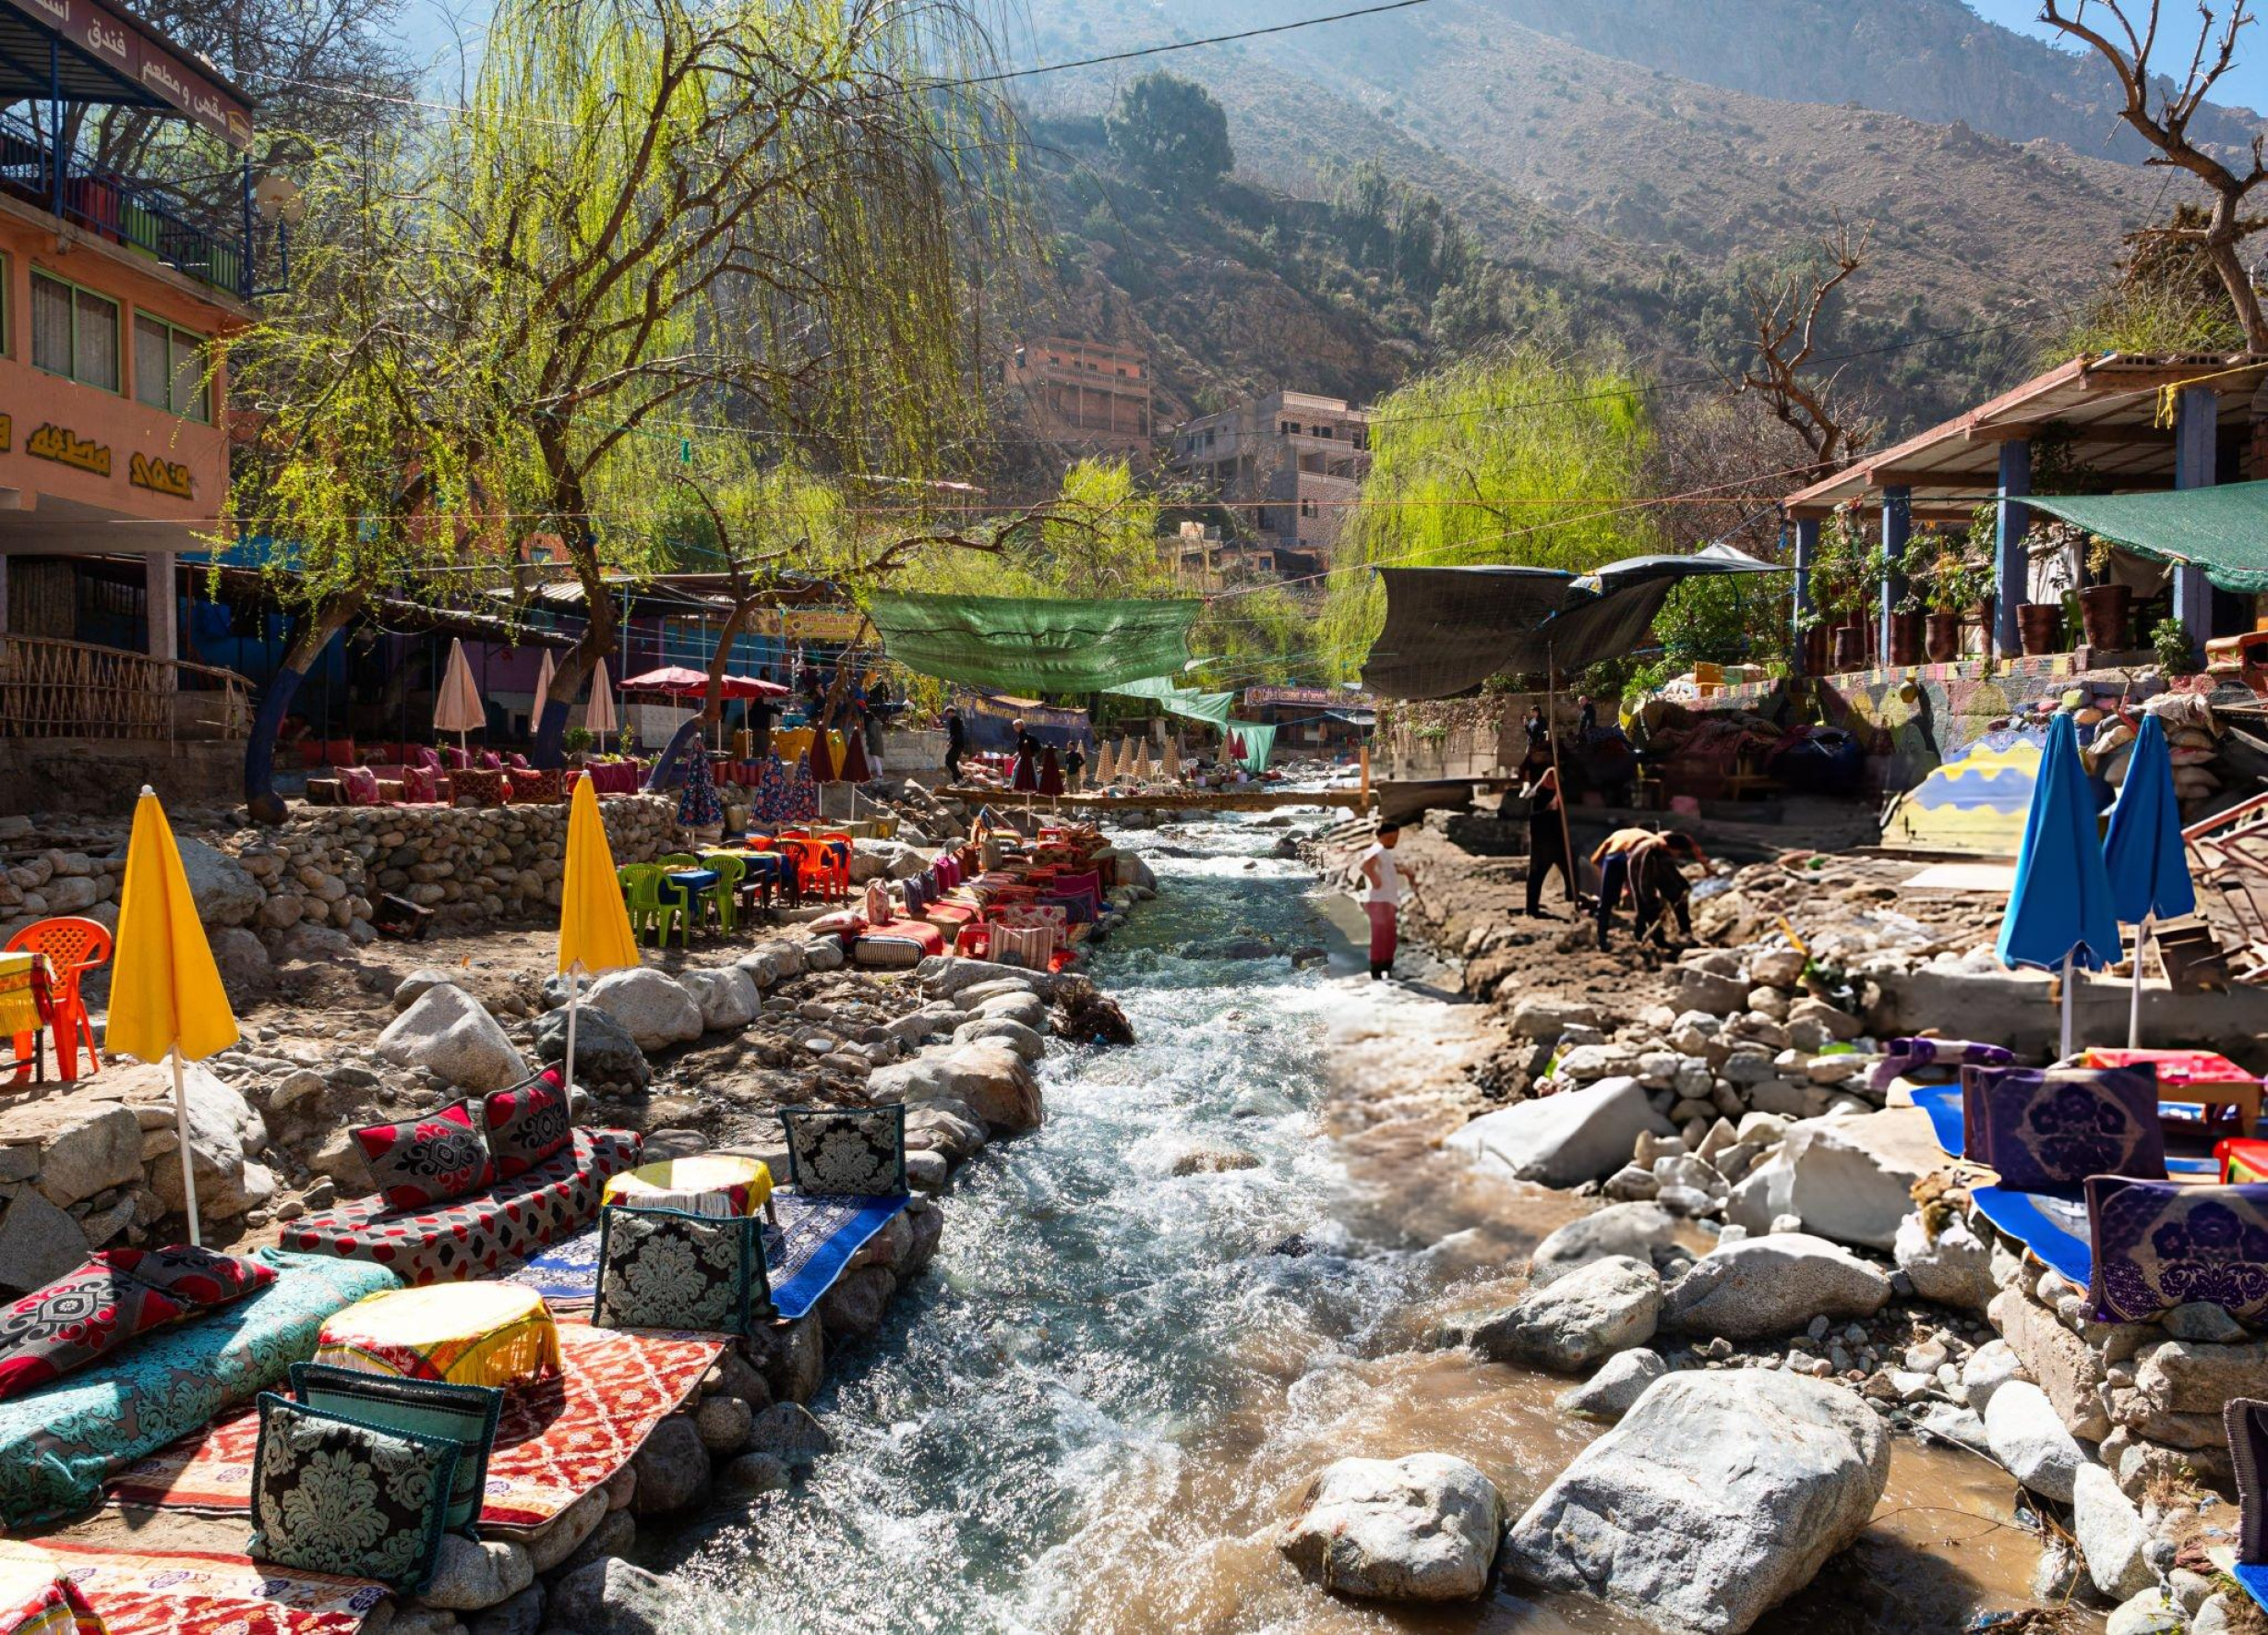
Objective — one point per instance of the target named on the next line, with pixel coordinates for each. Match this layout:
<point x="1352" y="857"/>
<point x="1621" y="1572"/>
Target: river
<point x="1114" y="1382"/>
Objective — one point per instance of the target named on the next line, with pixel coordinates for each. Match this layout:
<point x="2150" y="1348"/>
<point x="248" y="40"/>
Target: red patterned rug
<point x="185" y="1594"/>
<point x="558" y="1439"/>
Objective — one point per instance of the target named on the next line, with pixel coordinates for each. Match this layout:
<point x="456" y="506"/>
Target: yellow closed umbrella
<point x="165" y="993"/>
<point x="594" y="927"/>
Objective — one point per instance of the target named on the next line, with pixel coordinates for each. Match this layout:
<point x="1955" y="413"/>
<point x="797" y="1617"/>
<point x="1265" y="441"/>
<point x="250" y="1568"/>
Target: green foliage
<point x="1098" y="539"/>
<point x="1954" y="573"/>
<point x="1838" y="569"/>
<point x="577" y="739"/>
<point x="2165" y="296"/>
<point x="2170" y="642"/>
<point x="1172" y="135"/>
<point x="1510" y="455"/>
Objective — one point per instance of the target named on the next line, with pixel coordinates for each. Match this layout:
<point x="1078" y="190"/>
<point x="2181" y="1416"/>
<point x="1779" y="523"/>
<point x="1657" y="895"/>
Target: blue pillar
<point x="2196" y="454"/>
<point x="1897" y="526"/>
<point x="2011" y="567"/>
<point x="1806" y="551"/>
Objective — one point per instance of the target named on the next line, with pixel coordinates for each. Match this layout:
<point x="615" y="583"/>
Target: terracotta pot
<point x="1905" y="638"/>
<point x="2041" y="627"/>
<point x="1816" y="650"/>
<point x="1943" y="640"/>
<point x="2106" y="611"/>
<point x="1850" y="652"/>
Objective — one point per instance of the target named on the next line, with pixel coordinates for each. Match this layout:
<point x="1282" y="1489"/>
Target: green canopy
<point x="1032" y="645"/>
<point x="2222" y="530"/>
<point x="1259" y="740"/>
<point x="1179" y="700"/>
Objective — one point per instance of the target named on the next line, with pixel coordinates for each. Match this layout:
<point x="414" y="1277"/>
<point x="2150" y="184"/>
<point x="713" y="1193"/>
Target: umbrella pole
<point x="188" y="1168"/>
<point x="1551" y="736"/>
<point x="2069" y="977"/>
<point x="2133" y="1015"/>
<point x="574" y="999"/>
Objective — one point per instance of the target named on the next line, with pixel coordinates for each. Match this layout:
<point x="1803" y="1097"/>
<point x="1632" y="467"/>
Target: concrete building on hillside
<point x="1084" y="395"/>
<point x="1294" y="460"/>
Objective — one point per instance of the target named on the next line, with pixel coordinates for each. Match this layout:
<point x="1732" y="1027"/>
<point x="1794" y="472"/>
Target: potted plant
<point x="1838" y="586"/>
<point x="2170" y="642"/>
<point x="576" y="741"/>
<point x="2105" y="610"/>
<point x="2040" y="627"/>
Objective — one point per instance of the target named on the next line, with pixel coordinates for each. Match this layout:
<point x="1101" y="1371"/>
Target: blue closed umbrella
<point x="2143" y="852"/>
<point x="2060" y="916"/>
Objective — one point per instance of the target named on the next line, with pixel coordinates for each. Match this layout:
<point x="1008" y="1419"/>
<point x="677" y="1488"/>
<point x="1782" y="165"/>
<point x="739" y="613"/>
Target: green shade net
<point x="1033" y="644"/>
<point x="2222" y="530"/>
<point x="1179" y="700"/>
<point x="1259" y="740"/>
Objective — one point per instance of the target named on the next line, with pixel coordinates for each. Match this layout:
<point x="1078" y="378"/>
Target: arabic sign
<point x="67" y="447"/>
<point x="162" y="476"/>
<point x="1321" y="698"/>
<point x="132" y="51"/>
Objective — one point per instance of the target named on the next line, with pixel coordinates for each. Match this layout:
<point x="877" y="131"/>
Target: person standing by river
<point x="1382" y="896"/>
<point x="1547" y="842"/>
<point x="956" y="743"/>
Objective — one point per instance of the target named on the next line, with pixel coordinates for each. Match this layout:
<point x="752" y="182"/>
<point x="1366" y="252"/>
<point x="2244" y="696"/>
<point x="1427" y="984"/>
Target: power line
<point x="1146" y="50"/>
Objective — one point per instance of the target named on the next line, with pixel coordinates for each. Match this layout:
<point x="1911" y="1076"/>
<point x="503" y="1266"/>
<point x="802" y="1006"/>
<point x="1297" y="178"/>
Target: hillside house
<point x="1293" y="460"/>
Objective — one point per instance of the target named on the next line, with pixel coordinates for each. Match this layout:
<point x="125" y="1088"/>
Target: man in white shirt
<point x="1381" y="880"/>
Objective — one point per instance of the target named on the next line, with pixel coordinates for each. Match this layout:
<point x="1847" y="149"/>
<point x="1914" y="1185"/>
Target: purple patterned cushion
<point x="2043" y="1128"/>
<point x="1907" y="1056"/>
<point x="2157" y="1245"/>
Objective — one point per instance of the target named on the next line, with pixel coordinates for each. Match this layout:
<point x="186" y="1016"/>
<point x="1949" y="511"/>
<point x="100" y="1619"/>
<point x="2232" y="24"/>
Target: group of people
<point x="1035" y="768"/>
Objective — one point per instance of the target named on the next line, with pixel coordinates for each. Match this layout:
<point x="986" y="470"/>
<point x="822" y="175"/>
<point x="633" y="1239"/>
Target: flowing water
<point x="1114" y="1382"/>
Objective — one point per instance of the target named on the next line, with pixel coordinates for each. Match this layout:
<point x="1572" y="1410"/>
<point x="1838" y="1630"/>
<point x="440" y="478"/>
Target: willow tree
<point x="757" y="219"/>
<point x="1510" y="456"/>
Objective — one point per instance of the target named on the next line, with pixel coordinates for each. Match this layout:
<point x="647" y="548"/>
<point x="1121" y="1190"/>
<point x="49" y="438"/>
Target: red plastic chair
<point x="72" y="946"/>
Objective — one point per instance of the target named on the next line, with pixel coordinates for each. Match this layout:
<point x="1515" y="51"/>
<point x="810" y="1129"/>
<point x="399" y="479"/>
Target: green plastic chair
<point x="726" y="893"/>
<point x="678" y="859"/>
<point x="655" y="904"/>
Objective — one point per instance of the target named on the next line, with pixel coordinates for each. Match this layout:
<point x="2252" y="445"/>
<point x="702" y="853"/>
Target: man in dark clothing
<point x="957" y="742"/>
<point x="1538" y="738"/>
<point x="1074" y="765"/>
<point x="1547" y="842"/>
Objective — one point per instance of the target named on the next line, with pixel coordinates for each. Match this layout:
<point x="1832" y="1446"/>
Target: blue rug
<point x="2254" y="1578"/>
<point x="1942" y="1103"/>
<point x="803" y="1254"/>
<point x="2052" y="1225"/>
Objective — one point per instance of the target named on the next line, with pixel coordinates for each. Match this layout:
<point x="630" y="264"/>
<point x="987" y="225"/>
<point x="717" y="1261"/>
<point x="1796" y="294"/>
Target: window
<point x="1307" y="507"/>
<point x="169" y="367"/>
<point x="74" y="332"/>
<point x="1323" y="431"/>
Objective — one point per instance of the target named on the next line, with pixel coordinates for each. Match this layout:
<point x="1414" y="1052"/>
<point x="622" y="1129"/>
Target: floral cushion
<point x="2053" y="1127"/>
<point x="663" y="1268"/>
<point x="466" y="1414"/>
<point x="2157" y="1245"/>
<point x="859" y="1154"/>
<point x="421" y="783"/>
<point x="477" y="1235"/>
<point x="193" y="1276"/>
<point x="332" y="1495"/>
<point x="359" y="785"/>
<point x="74" y="1320"/>
<point x="428" y="1159"/>
<point x="527" y="1124"/>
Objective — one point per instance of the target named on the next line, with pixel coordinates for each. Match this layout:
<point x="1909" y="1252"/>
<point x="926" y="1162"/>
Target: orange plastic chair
<point x="72" y="946"/>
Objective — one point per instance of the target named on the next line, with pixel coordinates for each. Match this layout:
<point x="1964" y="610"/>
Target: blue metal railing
<point x="125" y="211"/>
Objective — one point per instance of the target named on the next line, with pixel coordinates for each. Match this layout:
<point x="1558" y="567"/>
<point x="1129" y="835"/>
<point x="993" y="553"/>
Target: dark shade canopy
<point x="1447" y="630"/>
<point x="1033" y="644"/>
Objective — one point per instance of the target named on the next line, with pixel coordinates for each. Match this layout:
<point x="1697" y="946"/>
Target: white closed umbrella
<point x="458" y="708"/>
<point x="543" y="694"/>
<point x="598" y="716"/>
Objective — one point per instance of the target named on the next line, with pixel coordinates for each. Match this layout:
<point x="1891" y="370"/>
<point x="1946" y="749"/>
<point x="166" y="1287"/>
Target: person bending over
<point x="1645" y="861"/>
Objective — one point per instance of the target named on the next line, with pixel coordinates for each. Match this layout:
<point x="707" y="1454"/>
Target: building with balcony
<point x="1292" y="461"/>
<point x="115" y="299"/>
<point x="1086" y="396"/>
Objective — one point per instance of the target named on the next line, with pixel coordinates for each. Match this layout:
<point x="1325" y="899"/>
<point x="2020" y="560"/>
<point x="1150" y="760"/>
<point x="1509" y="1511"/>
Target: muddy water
<point x="1111" y="1390"/>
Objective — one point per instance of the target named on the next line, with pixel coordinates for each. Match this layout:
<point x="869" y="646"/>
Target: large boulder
<point x="1612" y="1392"/>
<point x="1596" y="1310"/>
<point x="71" y="1146"/>
<point x="38" y="1244"/>
<point x="987" y="1076"/>
<point x="2029" y="1441"/>
<point x="1850" y="1179"/>
<point x="1422" y="1528"/>
<point x="727" y="997"/>
<point x="1718" y="1496"/>
<point x="604" y="1053"/>
<point x="1635" y="1230"/>
<point x="654" y="1010"/>
<point x="448" y="1032"/>
<point x="224" y="890"/>
<point x="1758" y="1288"/>
<point x="1953" y="1268"/>
<point x="609" y="1596"/>
<point x="225" y="1134"/>
<point x="1566" y="1139"/>
<point x="2112" y="1539"/>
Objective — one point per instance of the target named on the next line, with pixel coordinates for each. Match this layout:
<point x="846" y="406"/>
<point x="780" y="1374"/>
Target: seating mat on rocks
<point x="183" y="1592"/>
<point x="1942" y="1103"/>
<point x="558" y="1438"/>
<point x="2052" y="1225"/>
<point x="804" y="1254"/>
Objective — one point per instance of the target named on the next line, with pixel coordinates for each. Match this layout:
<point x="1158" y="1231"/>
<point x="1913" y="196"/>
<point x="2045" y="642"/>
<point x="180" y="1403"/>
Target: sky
<point x="2244" y="84"/>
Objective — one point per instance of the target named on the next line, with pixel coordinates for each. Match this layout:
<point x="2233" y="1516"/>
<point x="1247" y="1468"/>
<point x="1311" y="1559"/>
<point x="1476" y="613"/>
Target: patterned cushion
<point x="510" y="1222"/>
<point x="421" y="783"/>
<point x="526" y="1125"/>
<point x="2157" y="1245"/>
<point x="359" y="785"/>
<point x="530" y="785"/>
<point x="482" y="786"/>
<point x="466" y="1414"/>
<point x="663" y="1268"/>
<point x="2045" y="1129"/>
<point x="332" y="1495"/>
<point x="428" y="1160"/>
<point x="193" y="1277"/>
<point x="74" y="1320"/>
<point x="1903" y="1056"/>
<point x="859" y="1154"/>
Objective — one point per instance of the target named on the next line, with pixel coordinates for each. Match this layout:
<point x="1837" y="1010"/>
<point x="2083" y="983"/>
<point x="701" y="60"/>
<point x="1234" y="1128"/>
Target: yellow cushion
<point x="707" y="1184"/>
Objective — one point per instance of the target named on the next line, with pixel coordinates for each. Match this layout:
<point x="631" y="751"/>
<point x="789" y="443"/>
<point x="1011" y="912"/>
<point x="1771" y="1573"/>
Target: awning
<point x="1179" y="700"/>
<point x="1447" y="630"/>
<point x="115" y="59"/>
<point x="1032" y="645"/>
<point x="2222" y="530"/>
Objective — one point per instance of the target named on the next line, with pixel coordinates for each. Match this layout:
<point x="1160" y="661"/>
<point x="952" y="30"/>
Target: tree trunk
<point x="261" y="799"/>
<point x="2221" y="247"/>
<point x="711" y="701"/>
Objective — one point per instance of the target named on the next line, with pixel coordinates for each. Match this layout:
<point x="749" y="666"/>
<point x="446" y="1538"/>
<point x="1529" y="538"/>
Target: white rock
<point x="2151" y="1613"/>
<point x="1546" y="1016"/>
<point x="1566" y="1139"/>
<point x="1635" y="1230"/>
<point x="1717" y="1497"/>
<point x="727" y="997"/>
<point x="1954" y="1268"/>
<point x="2110" y="1532"/>
<point x="1622" y="1379"/>
<point x="2028" y="1440"/>
<point x="1590" y="1312"/>
<point x="1772" y="1285"/>
<point x="654" y="1010"/>
<point x="1421" y="1528"/>
<point x="448" y="1032"/>
<point x="1990" y="1367"/>
<point x="1850" y="1178"/>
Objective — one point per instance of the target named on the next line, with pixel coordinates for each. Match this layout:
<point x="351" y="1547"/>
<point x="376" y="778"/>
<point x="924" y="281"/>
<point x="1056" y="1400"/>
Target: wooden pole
<point x="1559" y="782"/>
<point x="188" y="1163"/>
